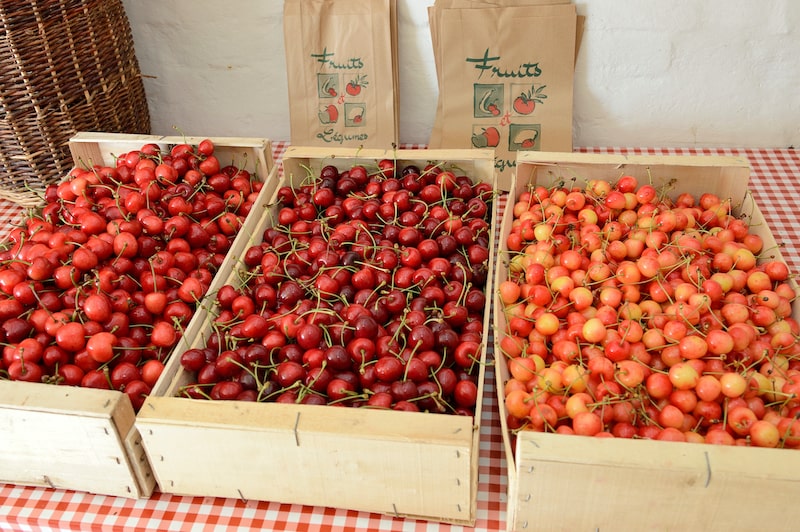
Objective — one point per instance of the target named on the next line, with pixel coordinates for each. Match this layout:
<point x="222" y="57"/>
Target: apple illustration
<point x="492" y="137"/>
<point x="479" y="140"/>
<point x="487" y="138"/>
<point x="329" y="114"/>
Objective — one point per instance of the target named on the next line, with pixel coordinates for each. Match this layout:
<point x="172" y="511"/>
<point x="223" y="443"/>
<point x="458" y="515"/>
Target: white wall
<point x="649" y="73"/>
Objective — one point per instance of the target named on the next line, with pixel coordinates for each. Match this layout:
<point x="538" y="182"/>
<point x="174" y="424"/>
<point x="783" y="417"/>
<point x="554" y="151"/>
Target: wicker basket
<point x="65" y="66"/>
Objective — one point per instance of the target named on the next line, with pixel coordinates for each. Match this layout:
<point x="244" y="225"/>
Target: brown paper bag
<point x="505" y="78"/>
<point x="341" y="65"/>
<point x="435" y="10"/>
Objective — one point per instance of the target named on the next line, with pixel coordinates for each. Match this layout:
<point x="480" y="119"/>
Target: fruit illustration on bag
<point x="488" y="138"/>
<point x="354" y="87"/>
<point x="525" y="103"/>
<point x="354" y="114"/>
<point x="328" y="86"/>
<point x="488" y="105"/>
<point x="329" y="114"/>
<point x="526" y="138"/>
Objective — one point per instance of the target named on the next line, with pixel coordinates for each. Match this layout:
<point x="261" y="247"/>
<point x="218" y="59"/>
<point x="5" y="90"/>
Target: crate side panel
<point x="388" y="462"/>
<point x="373" y="424"/>
<point x="682" y="486"/>
<point x="499" y="322"/>
<point x="400" y="478"/>
<point x="65" y="451"/>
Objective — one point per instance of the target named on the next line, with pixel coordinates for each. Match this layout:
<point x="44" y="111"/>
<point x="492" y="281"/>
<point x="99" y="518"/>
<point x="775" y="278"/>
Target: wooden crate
<point x="561" y="482"/>
<point x="420" y="465"/>
<point x="85" y="439"/>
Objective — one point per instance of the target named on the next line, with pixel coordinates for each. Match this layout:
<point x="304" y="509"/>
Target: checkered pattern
<point x="776" y="187"/>
<point x="9" y="216"/>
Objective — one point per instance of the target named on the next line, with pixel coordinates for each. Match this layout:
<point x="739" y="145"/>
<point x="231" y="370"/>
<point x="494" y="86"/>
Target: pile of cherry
<point x="366" y="290"/>
<point x="636" y="316"/>
<point x="97" y="286"/>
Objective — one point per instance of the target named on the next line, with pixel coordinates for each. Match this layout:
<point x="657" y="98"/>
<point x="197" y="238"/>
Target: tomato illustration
<point x="525" y="103"/>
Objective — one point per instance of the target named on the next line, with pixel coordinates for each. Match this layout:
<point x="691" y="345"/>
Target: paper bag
<point x="341" y="64"/>
<point x="505" y="79"/>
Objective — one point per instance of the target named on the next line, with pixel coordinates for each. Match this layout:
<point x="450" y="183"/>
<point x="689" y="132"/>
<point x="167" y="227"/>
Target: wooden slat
<point x="681" y="486"/>
<point x="66" y="437"/>
<point x="378" y="461"/>
<point x="140" y="465"/>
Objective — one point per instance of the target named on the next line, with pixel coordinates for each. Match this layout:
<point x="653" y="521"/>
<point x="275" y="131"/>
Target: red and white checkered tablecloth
<point x="775" y="182"/>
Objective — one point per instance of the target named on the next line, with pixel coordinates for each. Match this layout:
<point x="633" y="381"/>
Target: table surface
<point x="775" y="183"/>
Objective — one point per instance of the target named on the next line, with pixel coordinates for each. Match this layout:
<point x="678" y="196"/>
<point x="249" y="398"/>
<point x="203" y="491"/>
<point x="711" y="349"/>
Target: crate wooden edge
<point x="311" y="430"/>
<point x="163" y="399"/>
<point x="483" y="159"/>
<point x="523" y="457"/>
<point x="109" y="406"/>
<point x="138" y="140"/>
<point x="501" y="372"/>
<point x="36" y="396"/>
<point x="85" y="147"/>
<point x="571" y="158"/>
<point x="298" y="418"/>
<point x="243" y="239"/>
<point x="375" y="154"/>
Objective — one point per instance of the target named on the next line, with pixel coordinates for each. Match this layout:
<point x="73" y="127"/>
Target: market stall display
<point x="775" y="192"/>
